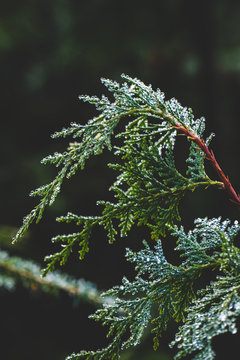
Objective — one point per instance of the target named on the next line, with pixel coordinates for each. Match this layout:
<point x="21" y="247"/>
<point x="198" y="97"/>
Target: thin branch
<point x="31" y="272"/>
<point x="226" y="185"/>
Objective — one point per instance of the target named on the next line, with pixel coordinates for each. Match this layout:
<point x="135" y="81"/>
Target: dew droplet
<point x="223" y="316"/>
<point x="237" y="306"/>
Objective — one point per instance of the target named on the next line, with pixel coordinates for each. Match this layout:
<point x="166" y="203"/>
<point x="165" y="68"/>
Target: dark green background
<point x="52" y="51"/>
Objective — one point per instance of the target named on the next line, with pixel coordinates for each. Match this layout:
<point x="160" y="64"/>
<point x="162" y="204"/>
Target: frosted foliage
<point x="202" y="245"/>
<point x="7" y="282"/>
<point x="210" y="312"/>
<point x="199" y="126"/>
<point x="30" y="273"/>
<point x="183" y="114"/>
<point x="149" y="117"/>
<point x="147" y="192"/>
<point x="214" y="313"/>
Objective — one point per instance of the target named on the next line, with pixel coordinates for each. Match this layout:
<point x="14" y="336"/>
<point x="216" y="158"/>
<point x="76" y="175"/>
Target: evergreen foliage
<point x="14" y="268"/>
<point x="147" y="192"/>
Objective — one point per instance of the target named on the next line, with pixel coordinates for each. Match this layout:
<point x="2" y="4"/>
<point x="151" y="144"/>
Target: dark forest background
<point x="53" y="51"/>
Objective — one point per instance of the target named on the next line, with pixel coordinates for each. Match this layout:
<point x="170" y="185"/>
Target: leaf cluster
<point x="162" y="292"/>
<point x="149" y="187"/>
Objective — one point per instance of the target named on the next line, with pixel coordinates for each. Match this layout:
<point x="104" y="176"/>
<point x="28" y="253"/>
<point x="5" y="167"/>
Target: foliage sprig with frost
<point x="147" y="191"/>
<point x="15" y="269"/>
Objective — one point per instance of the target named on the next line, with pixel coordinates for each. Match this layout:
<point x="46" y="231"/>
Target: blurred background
<point x="53" y="51"/>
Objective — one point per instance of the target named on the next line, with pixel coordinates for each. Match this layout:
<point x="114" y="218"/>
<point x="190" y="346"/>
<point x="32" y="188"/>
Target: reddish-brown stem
<point x="226" y="185"/>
